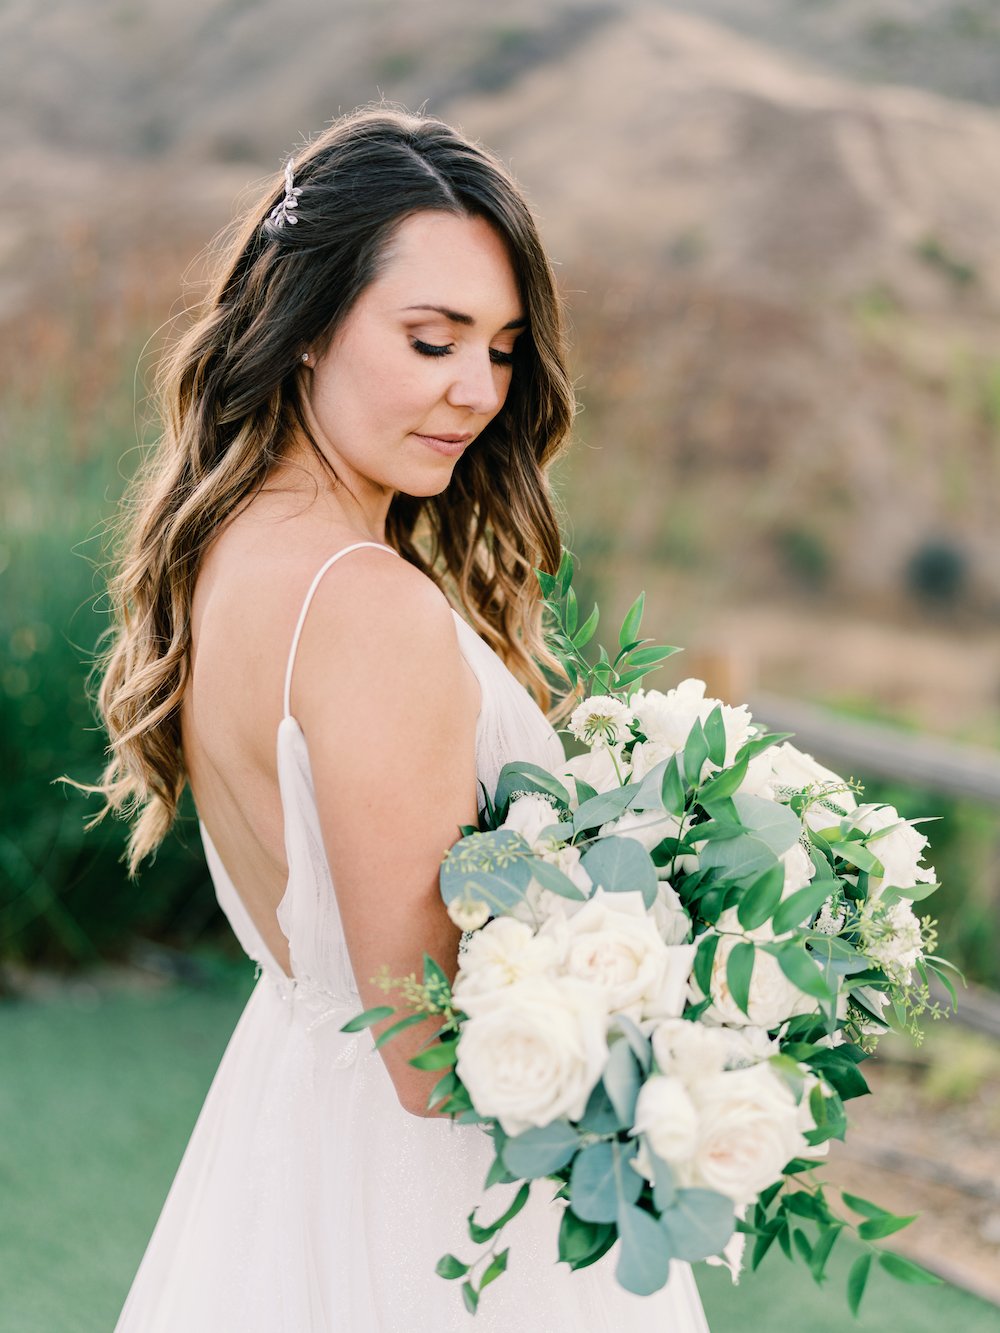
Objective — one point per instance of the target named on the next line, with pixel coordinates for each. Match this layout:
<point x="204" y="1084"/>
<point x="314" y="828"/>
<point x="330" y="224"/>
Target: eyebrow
<point x="457" y="317"/>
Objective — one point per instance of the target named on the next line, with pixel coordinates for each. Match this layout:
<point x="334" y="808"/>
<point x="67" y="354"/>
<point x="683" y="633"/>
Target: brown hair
<point x="230" y="396"/>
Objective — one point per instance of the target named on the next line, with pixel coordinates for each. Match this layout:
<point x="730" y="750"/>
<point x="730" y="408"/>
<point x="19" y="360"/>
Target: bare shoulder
<point x="377" y="625"/>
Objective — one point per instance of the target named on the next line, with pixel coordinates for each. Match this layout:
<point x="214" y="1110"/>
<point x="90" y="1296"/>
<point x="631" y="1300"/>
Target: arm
<point x="388" y="706"/>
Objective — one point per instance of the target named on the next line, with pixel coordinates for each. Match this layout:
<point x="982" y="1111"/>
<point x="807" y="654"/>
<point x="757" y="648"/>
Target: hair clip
<point x="285" y="210"/>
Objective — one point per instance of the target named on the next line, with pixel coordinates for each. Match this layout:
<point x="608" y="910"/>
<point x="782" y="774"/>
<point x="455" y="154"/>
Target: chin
<point x="427" y="485"/>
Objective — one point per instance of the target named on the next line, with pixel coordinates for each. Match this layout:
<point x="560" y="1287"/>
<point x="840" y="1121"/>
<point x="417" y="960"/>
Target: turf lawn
<point x="98" y="1093"/>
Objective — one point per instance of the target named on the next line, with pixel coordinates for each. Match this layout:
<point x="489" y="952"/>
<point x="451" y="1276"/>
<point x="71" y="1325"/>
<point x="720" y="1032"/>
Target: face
<point x="422" y="363"/>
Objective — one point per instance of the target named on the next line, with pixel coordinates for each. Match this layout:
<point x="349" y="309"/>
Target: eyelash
<point x="433" y="349"/>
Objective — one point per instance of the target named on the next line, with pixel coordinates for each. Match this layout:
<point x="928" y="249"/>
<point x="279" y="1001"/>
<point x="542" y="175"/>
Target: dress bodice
<point x="510" y="726"/>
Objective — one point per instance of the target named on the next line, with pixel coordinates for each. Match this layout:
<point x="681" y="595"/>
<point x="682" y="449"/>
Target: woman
<point x="356" y="430"/>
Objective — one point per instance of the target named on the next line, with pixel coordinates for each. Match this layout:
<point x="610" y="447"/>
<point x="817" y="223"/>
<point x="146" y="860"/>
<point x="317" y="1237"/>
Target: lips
<point x="450" y="444"/>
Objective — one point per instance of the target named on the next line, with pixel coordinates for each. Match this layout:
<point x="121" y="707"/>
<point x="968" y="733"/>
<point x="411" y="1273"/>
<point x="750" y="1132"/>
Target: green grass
<point x="105" y="1090"/>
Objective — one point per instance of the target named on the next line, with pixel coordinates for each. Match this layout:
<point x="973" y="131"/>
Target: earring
<point x="305" y="357"/>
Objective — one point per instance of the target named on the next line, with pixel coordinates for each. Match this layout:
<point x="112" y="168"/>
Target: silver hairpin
<point x="285" y="211"/>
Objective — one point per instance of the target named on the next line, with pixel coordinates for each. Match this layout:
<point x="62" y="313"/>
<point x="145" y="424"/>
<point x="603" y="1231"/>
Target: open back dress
<point x="308" y="1200"/>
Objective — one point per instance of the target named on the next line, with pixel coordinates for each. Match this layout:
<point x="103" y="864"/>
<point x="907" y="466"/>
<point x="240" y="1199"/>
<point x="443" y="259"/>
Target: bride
<point x="326" y="621"/>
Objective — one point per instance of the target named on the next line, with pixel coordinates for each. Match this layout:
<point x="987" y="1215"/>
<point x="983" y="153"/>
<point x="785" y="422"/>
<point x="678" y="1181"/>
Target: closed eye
<point x="436" y="349"/>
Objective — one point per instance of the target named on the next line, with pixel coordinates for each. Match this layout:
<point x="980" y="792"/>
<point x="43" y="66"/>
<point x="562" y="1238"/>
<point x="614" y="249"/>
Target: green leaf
<point x="760" y="900"/>
<point x="799" y="968"/>
<point x="497" y="1265"/>
<point x="565" y="571"/>
<point x="493" y="867"/>
<point x="600" y="1116"/>
<point x="622" y="1080"/>
<point x="361" y="1021"/>
<point x="642" y="1047"/>
<point x="578" y="1239"/>
<point x="480" y="1234"/>
<point x="443" y="1088"/>
<point x="802" y="1245"/>
<point x="601" y="1178"/>
<point x="629" y="631"/>
<point x="442" y="1055"/>
<point x="857" y="1280"/>
<point x="698" y="1223"/>
<point x="724" y="784"/>
<point x="498" y="1174"/>
<point x="672" y="790"/>
<point x="555" y="880"/>
<point x="800" y="906"/>
<point x="856" y="854"/>
<point x="739" y="970"/>
<point x="644" y="1256"/>
<point x="704" y="958"/>
<point x="603" y="808"/>
<point x="715" y="736"/>
<point x="695" y="754"/>
<point x="864" y="1206"/>
<point x="907" y="1271"/>
<point x="470" y="1296"/>
<point x="664" y="1190"/>
<point x="744" y="858"/>
<point x="823" y="1249"/>
<point x="773" y="824"/>
<point x="539" y="1152"/>
<point x="877" y="1228"/>
<point x="547" y="583"/>
<point x="586" y="631"/>
<point x="409" y="1021"/>
<point x="450" y="1267"/>
<point x="572" y="612"/>
<point x="621" y="865"/>
<point x="650" y="657"/>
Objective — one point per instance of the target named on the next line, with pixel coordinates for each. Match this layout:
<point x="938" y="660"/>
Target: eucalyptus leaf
<point x="774" y="824"/>
<point x="491" y="867"/>
<point x="699" y="1223"/>
<point x="621" y="865"/>
<point x="555" y="880"/>
<point x="601" y="1178"/>
<point x="622" y="1080"/>
<point x="644" y="1254"/>
<point x="602" y="809"/>
<point x="539" y="1152"/>
<point x="522" y="776"/>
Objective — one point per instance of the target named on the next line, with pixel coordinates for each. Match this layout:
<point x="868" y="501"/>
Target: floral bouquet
<point x="679" y="950"/>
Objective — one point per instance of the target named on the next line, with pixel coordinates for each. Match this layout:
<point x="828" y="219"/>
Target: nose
<point x="478" y="385"/>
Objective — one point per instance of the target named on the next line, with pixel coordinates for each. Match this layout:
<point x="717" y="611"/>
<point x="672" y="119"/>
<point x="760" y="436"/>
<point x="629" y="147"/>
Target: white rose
<point x="748" y="1046"/>
<point x="900" y="851"/>
<point x="689" y="1050"/>
<point x="500" y="955"/>
<point x="597" y="769"/>
<point x="614" y="945"/>
<point x="667" y="1116"/>
<point x="773" y="998"/>
<point x="532" y="1052"/>
<point x="748" y="1131"/>
<point x="529" y="815"/>
<point x="666" y="719"/>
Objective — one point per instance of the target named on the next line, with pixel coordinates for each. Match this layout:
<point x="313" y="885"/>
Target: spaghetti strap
<point x="355" y="546"/>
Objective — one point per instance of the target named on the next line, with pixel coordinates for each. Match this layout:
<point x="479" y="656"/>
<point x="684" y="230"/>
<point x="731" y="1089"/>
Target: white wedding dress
<point x="308" y="1200"/>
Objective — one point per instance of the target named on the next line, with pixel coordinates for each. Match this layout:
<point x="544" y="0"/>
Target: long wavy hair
<point x="231" y="395"/>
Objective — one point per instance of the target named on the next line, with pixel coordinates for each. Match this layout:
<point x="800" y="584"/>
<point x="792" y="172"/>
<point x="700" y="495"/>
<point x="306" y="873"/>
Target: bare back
<point x="247" y="600"/>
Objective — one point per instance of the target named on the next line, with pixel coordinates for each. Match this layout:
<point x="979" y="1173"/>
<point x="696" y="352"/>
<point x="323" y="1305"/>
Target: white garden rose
<point x="749" y="1128"/>
<point x="602" y="768"/>
<point x="689" y="1050"/>
<point x="529" y="815"/>
<point x="532" y="1052"/>
<point x="748" y="1046"/>
<point x="666" y="719"/>
<point x="900" y="851"/>
<point x="500" y="955"/>
<point x="614" y="945"/>
<point x="665" y="1113"/>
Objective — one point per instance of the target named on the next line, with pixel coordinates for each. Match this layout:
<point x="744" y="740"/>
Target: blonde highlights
<point x="230" y="397"/>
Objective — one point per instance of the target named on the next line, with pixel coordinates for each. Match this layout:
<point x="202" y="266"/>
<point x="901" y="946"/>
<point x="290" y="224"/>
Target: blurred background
<point x="775" y="223"/>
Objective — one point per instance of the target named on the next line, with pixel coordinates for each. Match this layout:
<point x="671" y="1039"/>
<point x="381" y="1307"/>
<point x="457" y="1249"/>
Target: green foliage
<point x="66" y="898"/>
